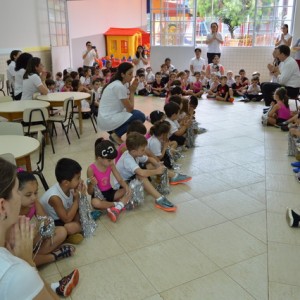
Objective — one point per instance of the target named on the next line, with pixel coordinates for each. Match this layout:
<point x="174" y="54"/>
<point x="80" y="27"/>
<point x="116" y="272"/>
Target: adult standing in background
<point x="21" y="65"/>
<point x="214" y="40"/>
<point x="140" y="61"/>
<point x="89" y="55"/>
<point x="116" y="109"/>
<point x="296" y="49"/>
<point x="287" y="75"/>
<point x="11" y="68"/>
<point x="284" y="38"/>
<point x="34" y="79"/>
<point x="197" y="63"/>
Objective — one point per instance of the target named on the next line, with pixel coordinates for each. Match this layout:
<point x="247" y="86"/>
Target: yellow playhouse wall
<point x="133" y="42"/>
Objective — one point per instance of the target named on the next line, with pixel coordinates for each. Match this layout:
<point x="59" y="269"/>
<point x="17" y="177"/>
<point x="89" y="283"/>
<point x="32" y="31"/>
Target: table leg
<point x="24" y="161"/>
<point x="79" y="116"/>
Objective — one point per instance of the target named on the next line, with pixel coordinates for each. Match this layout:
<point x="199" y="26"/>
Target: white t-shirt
<point x="154" y="144"/>
<point x="289" y="73"/>
<point x="19" y="81"/>
<point x="214" y="46"/>
<point x="174" y="126"/>
<point x="30" y="86"/>
<point x="111" y="113"/>
<point x="11" y="72"/>
<point x="127" y="165"/>
<point x="55" y="190"/>
<point x="90" y="58"/>
<point x="140" y="64"/>
<point x="18" y="280"/>
<point x="286" y="37"/>
<point x="198" y="64"/>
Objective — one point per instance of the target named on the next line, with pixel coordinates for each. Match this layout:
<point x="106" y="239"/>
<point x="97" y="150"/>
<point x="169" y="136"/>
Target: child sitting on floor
<point x="99" y="172"/>
<point x="196" y="86"/>
<point x="253" y="91"/>
<point x="237" y="87"/>
<point x="61" y="201"/>
<point x="68" y="85"/>
<point x="223" y="91"/>
<point x="158" y="87"/>
<point x="51" y="249"/>
<point x="214" y="83"/>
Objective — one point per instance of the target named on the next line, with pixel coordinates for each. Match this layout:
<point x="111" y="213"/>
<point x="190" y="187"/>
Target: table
<point x="20" y="147"/>
<point x="12" y="110"/>
<point x="57" y="99"/>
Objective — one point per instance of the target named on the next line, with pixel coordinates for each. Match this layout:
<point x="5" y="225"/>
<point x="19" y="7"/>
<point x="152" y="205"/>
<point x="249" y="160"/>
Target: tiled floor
<point x="229" y="238"/>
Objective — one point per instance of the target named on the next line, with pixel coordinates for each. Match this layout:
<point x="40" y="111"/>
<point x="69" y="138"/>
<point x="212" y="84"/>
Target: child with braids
<point x="99" y="172"/>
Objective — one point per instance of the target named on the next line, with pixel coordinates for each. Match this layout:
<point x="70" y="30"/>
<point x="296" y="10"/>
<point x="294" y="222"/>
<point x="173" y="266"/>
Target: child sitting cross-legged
<point x="129" y="167"/>
<point x="99" y="172"/>
<point x="213" y="83"/>
<point x="61" y="201"/>
<point x="224" y="93"/>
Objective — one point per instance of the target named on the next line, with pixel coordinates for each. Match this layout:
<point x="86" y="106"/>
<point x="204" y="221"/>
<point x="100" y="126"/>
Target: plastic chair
<point x="2" y="84"/>
<point x="8" y="157"/>
<point x="35" y="120"/>
<point x="40" y="163"/>
<point x="11" y="128"/>
<point x="65" y="120"/>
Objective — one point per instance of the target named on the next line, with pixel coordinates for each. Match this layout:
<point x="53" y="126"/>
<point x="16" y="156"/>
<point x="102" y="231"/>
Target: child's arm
<point x="273" y="110"/>
<point x="119" y="178"/>
<point x="39" y="208"/>
<point x="92" y="181"/>
<point x="65" y="215"/>
<point x="147" y="173"/>
<point x="149" y="153"/>
<point x="181" y="131"/>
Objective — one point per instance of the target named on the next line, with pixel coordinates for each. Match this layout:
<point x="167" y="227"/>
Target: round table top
<point x="20" y="106"/>
<point x="61" y="96"/>
<point x="18" y="145"/>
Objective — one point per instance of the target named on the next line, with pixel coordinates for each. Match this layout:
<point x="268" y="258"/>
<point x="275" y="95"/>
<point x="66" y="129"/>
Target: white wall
<point x="91" y="18"/>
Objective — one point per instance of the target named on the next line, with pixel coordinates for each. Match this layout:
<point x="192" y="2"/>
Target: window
<point x="124" y="46"/>
<point x="58" y="22"/>
<point x="241" y="22"/>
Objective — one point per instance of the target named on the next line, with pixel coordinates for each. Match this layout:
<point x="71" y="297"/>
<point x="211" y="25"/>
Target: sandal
<point x="63" y="251"/>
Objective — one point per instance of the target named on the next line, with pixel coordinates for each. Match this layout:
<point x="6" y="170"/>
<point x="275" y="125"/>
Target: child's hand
<point x="133" y="86"/>
<point x="20" y="242"/>
<point x="93" y="180"/>
<point x="161" y="169"/>
<point x="125" y="199"/>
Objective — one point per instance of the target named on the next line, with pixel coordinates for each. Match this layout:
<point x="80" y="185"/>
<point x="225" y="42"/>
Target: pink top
<point x="103" y="178"/>
<point x="197" y="86"/>
<point x="31" y="212"/>
<point x="120" y="152"/>
<point x="283" y="112"/>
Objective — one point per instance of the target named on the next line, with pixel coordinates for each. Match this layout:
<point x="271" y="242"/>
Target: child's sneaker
<point x="96" y="214"/>
<point x="231" y="99"/>
<point x="164" y="204"/>
<point x="295" y="164"/>
<point x="67" y="283"/>
<point x="113" y="213"/>
<point x="75" y="238"/>
<point x="179" y="178"/>
<point x="296" y="170"/>
<point x="292" y="218"/>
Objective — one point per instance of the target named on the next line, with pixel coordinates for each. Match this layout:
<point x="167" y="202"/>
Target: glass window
<point x="58" y="27"/>
<point x="124" y="46"/>
<point x="242" y="23"/>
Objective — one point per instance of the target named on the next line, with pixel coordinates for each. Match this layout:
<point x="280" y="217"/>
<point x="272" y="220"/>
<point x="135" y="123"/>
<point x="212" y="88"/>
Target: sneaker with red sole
<point x="67" y="284"/>
<point x="164" y="204"/>
<point x="231" y="99"/>
<point x="113" y="213"/>
<point x="180" y="178"/>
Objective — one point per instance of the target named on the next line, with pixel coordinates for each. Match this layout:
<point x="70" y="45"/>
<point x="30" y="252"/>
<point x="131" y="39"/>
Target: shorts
<point x="109" y="194"/>
<point x="59" y="222"/>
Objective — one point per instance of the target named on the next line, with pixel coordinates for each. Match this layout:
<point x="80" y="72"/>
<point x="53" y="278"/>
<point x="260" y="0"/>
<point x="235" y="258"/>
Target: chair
<point x="40" y="163"/>
<point x="8" y="87"/>
<point x="2" y="83"/>
<point x="9" y="157"/>
<point x="65" y="120"/>
<point x="87" y="111"/>
<point x="35" y="120"/>
<point x="11" y="128"/>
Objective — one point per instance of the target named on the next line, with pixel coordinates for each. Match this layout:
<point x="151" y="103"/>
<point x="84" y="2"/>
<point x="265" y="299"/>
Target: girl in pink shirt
<point x="280" y="111"/>
<point x="99" y="173"/>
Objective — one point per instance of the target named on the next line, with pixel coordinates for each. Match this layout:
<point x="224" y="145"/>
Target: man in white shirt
<point x="287" y="75"/>
<point x="89" y="55"/>
<point x="197" y="63"/>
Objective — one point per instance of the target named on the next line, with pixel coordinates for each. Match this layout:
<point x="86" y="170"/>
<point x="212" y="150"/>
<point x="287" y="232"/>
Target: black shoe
<point x="285" y="128"/>
<point x="292" y="218"/>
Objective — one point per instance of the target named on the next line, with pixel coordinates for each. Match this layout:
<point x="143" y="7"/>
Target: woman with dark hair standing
<point x="214" y="41"/>
<point x="20" y="69"/>
<point x="140" y="61"/>
<point x="284" y="38"/>
<point x="116" y="109"/>
<point x="11" y="68"/>
<point x="34" y="79"/>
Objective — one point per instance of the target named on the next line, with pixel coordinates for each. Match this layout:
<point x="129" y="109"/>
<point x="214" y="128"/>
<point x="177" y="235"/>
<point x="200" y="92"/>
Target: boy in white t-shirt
<point x="129" y="168"/>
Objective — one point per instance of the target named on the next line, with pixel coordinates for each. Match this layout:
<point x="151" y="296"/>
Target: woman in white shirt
<point x="34" y="79"/>
<point x="285" y="38"/>
<point x="20" y="69"/>
<point x="116" y="109"/>
<point x="11" y="63"/>
<point x="214" y="41"/>
<point x="140" y="61"/>
<point x="19" y="278"/>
